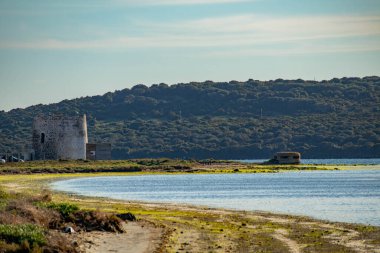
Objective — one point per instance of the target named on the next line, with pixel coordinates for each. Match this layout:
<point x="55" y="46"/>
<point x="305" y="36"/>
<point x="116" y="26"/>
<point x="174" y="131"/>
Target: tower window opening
<point x="42" y="138"/>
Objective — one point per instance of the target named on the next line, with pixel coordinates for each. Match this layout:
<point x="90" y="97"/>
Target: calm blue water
<point x="347" y="196"/>
<point x="366" y="161"/>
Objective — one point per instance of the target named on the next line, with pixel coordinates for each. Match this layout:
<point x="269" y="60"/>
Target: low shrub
<point x="93" y="220"/>
<point x="24" y="210"/>
<point x="32" y="224"/>
<point x="20" y="234"/>
<point x="65" y="209"/>
<point x="44" y="197"/>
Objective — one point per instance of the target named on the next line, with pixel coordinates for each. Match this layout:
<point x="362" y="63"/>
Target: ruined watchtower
<point x="59" y="137"/>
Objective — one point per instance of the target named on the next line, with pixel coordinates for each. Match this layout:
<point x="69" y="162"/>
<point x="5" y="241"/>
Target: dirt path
<point x="140" y="237"/>
<point x="346" y="237"/>
<point x="280" y="234"/>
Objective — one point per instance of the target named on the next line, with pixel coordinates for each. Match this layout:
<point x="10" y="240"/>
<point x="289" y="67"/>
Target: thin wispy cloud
<point x="313" y="26"/>
<point x="180" y="2"/>
<point x="297" y="49"/>
<point x="233" y="31"/>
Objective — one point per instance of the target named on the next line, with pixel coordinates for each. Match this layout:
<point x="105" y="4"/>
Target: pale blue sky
<point x="52" y="50"/>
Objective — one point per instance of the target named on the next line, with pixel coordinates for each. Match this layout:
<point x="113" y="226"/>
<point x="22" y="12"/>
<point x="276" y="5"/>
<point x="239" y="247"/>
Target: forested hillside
<point x="234" y="120"/>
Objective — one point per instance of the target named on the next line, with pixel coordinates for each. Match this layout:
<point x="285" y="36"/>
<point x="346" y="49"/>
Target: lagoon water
<point x="347" y="196"/>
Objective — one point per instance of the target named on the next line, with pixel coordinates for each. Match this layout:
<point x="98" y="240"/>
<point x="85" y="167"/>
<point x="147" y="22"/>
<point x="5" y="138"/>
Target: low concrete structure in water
<point x="286" y="158"/>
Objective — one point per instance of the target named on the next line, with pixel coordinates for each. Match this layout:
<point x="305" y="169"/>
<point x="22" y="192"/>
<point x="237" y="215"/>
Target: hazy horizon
<point x="51" y="51"/>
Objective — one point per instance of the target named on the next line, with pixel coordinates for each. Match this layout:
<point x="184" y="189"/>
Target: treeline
<point x="234" y="120"/>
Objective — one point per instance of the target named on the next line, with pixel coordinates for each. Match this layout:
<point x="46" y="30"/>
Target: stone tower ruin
<point x="59" y="137"/>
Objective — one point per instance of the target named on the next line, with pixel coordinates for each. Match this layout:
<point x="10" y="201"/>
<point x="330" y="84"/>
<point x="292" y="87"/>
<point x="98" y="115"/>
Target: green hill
<point x="235" y="120"/>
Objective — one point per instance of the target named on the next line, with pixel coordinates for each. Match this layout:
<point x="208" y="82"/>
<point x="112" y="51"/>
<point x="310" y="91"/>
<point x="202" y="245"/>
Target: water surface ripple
<point x="347" y="196"/>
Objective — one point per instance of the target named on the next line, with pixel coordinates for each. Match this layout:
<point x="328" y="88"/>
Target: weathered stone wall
<point x="103" y="151"/>
<point x="99" y="151"/>
<point x="91" y="151"/>
<point x="59" y="137"/>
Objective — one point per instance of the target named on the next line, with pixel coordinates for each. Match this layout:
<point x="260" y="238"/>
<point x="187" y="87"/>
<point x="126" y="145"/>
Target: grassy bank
<point x="151" y="166"/>
<point x="36" y="223"/>
<point x="197" y="229"/>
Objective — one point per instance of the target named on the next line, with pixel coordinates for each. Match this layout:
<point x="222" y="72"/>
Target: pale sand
<point x="140" y="237"/>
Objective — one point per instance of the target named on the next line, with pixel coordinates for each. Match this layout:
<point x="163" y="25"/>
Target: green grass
<point x="65" y="209"/>
<point x="33" y="234"/>
<point x="3" y="194"/>
<point x="148" y="165"/>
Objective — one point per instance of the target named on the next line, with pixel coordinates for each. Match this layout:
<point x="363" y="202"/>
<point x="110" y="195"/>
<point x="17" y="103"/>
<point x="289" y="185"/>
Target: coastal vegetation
<point x="181" y="228"/>
<point x="162" y="165"/>
<point x="33" y="223"/>
<point x="337" y="118"/>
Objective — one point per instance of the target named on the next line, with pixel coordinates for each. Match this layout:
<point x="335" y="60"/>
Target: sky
<point x="52" y="50"/>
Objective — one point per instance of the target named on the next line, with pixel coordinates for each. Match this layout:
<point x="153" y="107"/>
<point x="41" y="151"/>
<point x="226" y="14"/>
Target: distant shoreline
<point x="155" y="166"/>
<point x="144" y="166"/>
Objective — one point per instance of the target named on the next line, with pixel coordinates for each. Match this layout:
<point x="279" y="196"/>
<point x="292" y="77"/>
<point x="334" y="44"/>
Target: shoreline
<point x="194" y="228"/>
<point x="45" y="181"/>
<point x="199" y="207"/>
<point x="155" y="166"/>
<point x="209" y="205"/>
<point x="178" y="219"/>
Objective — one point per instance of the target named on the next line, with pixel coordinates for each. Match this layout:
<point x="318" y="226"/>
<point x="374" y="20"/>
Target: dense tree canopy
<point x="234" y="120"/>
